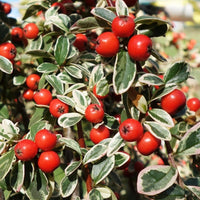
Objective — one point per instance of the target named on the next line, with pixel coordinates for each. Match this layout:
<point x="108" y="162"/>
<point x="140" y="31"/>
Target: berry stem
<point x="86" y="168"/>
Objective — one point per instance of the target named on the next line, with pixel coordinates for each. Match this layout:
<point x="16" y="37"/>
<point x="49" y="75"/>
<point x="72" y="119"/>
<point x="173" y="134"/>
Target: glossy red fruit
<point x="118" y="118"/>
<point x="94" y="113"/>
<point x="31" y="30"/>
<point x="28" y="94"/>
<point x="130" y="3"/>
<point x="193" y="104"/>
<point x="43" y="97"/>
<point x="6" y="7"/>
<point x="32" y="81"/>
<point x="98" y="96"/>
<point x="17" y="34"/>
<point x="123" y="26"/>
<point x="60" y="6"/>
<point x="48" y="161"/>
<point x="131" y="130"/>
<point x="57" y="108"/>
<point x="107" y="44"/>
<point x="139" y="47"/>
<point x="148" y="144"/>
<point x="99" y="134"/>
<point x="80" y="42"/>
<point x="45" y="140"/>
<point x="173" y="102"/>
<point x="8" y="50"/>
<point x="25" y="150"/>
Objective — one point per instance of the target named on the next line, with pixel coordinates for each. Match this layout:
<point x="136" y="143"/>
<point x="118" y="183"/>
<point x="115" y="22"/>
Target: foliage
<point x="88" y="170"/>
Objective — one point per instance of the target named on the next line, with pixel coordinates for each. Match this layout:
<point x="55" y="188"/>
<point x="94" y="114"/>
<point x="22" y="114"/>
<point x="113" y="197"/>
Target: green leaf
<point x="121" y="8"/>
<point x="95" y="153"/>
<point x="67" y="100"/>
<point x="4" y="32"/>
<point x="178" y="73"/>
<point x="68" y="185"/>
<point x="37" y="116"/>
<point x="124" y="72"/>
<point x="175" y="192"/>
<point x="36" y="127"/>
<point x="155" y="179"/>
<point x="66" y="78"/>
<point x="56" y="83"/>
<point x="5" y="65"/>
<point x="151" y="79"/>
<point x="193" y="184"/>
<point x="104" y="14"/>
<point x="74" y="71"/>
<point x="115" y="144"/>
<point x="96" y="75"/>
<point x="39" y="187"/>
<point x="80" y="101"/>
<point x="32" y="10"/>
<point x="72" y="144"/>
<point x="61" y="49"/>
<point x="94" y="194"/>
<point x="72" y="167"/>
<point x="102" y="169"/>
<point x="161" y="116"/>
<point x="61" y="21"/>
<point x="69" y="119"/>
<point x="75" y="86"/>
<point x="39" y="53"/>
<point x="121" y="158"/>
<point x="6" y="161"/>
<point x="35" y="44"/>
<point x="158" y="130"/>
<point x="2" y="145"/>
<point x="17" y="176"/>
<point x="102" y="87"/>
<point x="4" y="114"/>
<point x="10" y="130"/>
<point x="190" y="143"/>
<point x="19" y="80"/>
<point x="46" y="67"/>
<point x="157" y="55"/>
<point x="110" y="122"/>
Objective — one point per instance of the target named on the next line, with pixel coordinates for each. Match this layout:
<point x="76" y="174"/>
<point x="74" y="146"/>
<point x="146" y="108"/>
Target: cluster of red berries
<point x="139" y="46"/>
<point x="43" y="96"/>
<point x="45" y="141"/>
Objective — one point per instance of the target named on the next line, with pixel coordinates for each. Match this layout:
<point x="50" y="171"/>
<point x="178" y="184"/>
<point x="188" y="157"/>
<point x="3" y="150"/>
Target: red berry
<point x="99" y="134"/>
<point x="17" y="34"/>
<point x="131" y="130"/>
<point x="48" y="161"/>
<point x="139" y="47"/>
<point x="173" y="102"/>
<point x="32" y="81"/>
<point x="8" y="50"/>
<point x="31" y="30"/>
<point x="148" y="144"/>
<point x="193" y="104"/>
<point x="80" y="42"/>
<point x="45" y="140"/>
<point x="26" y="150"/>
<point x="123" y="26"/>
<point x="57" y="108"/>
<point x="6" y="7"/>
<point x="107" y="44"/>
<point x="43" y="97"/>
<point x="94" y="113"/>
<point x="28" y="94"/>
